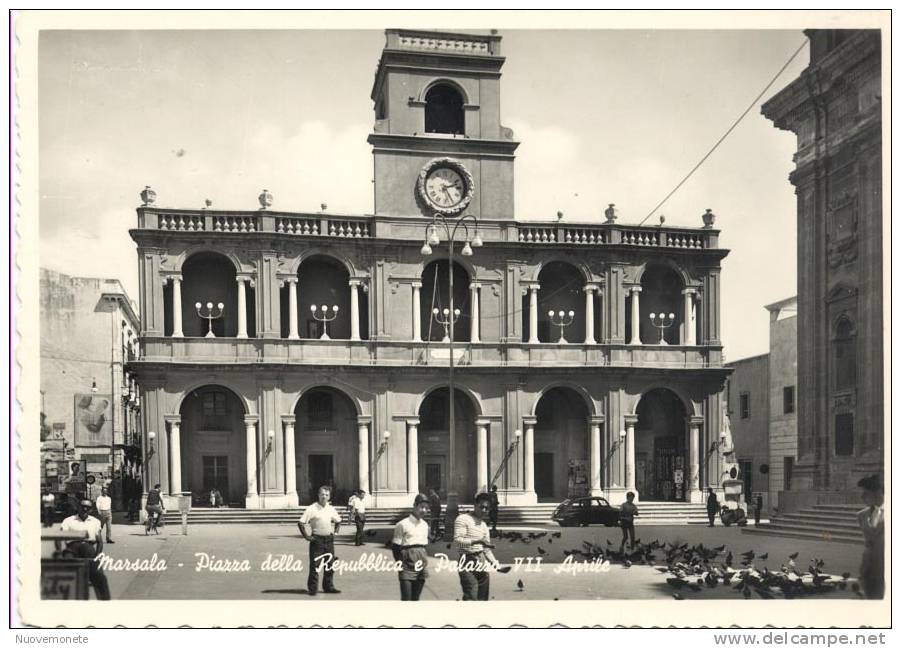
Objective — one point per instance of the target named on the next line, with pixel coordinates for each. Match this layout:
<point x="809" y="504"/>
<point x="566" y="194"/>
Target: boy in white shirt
<point x="409" y="546"/>
<point x="318" y="525"/>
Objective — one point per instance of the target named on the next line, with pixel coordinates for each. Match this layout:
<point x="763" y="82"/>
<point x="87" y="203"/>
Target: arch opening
<point x="209" y="278"/>
<point x="435" y="293"/>
<point x="661" y="294"/>
<point x="325" y="444"/>
<point x="562" y="439"/>
<point x="444" y="110"/>
<point x="323" y="281"/>
<point x="561" y="291"/>
<point x="434" y="445"/>
<point x="213" y="446"/>
<point x="661" y="442"/>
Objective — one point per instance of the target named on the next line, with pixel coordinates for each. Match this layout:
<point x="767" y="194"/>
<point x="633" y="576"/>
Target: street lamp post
<point x="433" y="239"/>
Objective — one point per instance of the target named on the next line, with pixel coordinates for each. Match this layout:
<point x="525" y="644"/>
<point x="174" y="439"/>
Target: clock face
<point x="445" y="187"/>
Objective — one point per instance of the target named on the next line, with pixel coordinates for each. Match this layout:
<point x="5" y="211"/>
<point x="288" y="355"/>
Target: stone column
<point x="363" y="452"/>
<point x="413" y="456"/>
<point x="176" y="308"/>
<point x="474" y="320"/>
<point x="630" y="420"/>
<point x="533" y="313"/>
<point x="354" y="310"/>
<point x="482" y="452"/>
<point x="242" y="307"/>
<point x="292" y="309"/>
<point x="290" y="460"/>
<point x="595" y="459"/>
<point x="688" y="331"/>
<point x="589" y="313"/>
<point x="636" y="316"/>
<point x="528" y="451"/>
<point x="250" y="425"/>
<point x="695" y="494"/>
<point x="174" y="454"/>
<point x="417" y="312"/>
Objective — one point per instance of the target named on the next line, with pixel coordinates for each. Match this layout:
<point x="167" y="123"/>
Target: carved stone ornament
<point x="845" y="402"/>
<point x="429" y="186"/>
<point x="841" y="233"/>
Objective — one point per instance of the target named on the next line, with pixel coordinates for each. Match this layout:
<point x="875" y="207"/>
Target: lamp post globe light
<point x="451" y="227"/>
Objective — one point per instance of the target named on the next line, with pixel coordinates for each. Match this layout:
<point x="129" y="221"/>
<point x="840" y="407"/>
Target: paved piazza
<point x="237" y="542"/>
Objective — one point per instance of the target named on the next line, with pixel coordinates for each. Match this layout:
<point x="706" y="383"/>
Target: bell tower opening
<point x="444" y="110"/>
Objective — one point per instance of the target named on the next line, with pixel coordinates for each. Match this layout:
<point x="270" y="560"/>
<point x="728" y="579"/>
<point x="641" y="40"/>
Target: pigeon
<point x="541" y="551"/>
<point x="678" y="596"/>
<point x="764" y="556"/>
<point x="370" y="533"/>
<point x="520" y="587"/>
<point x="550" y="540"/>
<point x="556" y="534"/>
<point x="793" y="556"/>
<point x="504" y="570"/>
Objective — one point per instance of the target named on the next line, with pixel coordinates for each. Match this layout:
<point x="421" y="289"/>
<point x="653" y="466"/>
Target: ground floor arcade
<point x="269" y="441"/>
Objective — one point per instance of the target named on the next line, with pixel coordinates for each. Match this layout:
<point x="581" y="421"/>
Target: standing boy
<point x="627" y="514"/>
<point x="409" y="546"/>
<point x="104" y="504"/>
<point x="358" y="514"/>
<point x="318" y="525"/>
<point x="473" y="539"/>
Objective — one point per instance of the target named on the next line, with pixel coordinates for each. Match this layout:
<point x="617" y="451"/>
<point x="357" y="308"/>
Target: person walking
<point x="495" y="504"/>
<point x="627" y="514"/>
<point x="358" y="514"/>
<point x="713" y="506"/>
<point x="409" y="546"/>
<point x="318" y="525"/>
<point x="104" y="504"/>
<point x="90" y="547"/>
<point x="872" y="524"/>
<point x="473" y="539"/>
<point x="435" y="513"/>
<point x="758" y="507"/>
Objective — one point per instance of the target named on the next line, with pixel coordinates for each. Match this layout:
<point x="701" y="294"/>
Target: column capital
<point x="475" y="285"/>
<point x="416" y="284"/>
<point x="241" y="278"/>
<point x="634" y="288"/>
<point x="364" y="419"/>
<point x="288" y="419"/>
<point x="483" y="421"/>
<point x="597" y="420"/>
<point x="689" y="291"/>
<point x="412" y="421"/>
<point x="591" y="287"/>
<point x="251" y="419"/>
<point x="355" y="282"/>
<point x="172" y="418"/>
<point x="630" y="419"/>
<point x="530" y="420"/>
<point x="696" y="421"/>
<point x="530" y="284"/>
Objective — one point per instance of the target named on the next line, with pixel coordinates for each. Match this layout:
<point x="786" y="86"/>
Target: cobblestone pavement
<point x="235" y="543"/>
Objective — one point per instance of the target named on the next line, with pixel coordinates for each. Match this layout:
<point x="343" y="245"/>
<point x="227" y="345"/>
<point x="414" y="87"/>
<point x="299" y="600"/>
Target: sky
<point x="602" y="117"/>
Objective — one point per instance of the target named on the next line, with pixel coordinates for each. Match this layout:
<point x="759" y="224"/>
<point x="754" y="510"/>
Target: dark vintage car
<point x="583" y="511"/>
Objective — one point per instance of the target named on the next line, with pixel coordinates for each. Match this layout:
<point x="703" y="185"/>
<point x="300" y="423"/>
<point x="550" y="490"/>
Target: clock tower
<point x="438" y="143"/>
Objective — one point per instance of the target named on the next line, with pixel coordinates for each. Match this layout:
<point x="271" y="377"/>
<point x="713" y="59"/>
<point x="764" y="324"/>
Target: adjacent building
<point x="89" y="406"/>
<point x="835" y="110"/>
<point x="762" y="397"/>
<point x="280" y="350"/>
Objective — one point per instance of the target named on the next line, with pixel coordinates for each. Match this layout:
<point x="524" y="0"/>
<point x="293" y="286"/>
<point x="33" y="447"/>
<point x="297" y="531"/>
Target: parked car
<point x="583" y="511"/>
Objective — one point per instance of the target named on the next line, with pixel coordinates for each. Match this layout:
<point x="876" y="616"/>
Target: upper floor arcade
<point x="288" y="287"/>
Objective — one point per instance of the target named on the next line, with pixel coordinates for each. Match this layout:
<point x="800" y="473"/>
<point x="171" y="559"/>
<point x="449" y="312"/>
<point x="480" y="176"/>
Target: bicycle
<point x="153" y="522"/>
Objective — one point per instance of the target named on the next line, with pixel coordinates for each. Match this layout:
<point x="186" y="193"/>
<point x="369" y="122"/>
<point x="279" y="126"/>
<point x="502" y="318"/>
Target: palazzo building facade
<point x="281" y="351"/>
<point x="835" y="110"/>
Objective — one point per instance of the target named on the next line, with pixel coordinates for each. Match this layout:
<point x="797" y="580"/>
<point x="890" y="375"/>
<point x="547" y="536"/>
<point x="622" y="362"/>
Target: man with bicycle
<point x="154" y="507"/>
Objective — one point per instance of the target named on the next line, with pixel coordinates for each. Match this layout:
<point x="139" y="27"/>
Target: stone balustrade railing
<point x="531" y="233"/>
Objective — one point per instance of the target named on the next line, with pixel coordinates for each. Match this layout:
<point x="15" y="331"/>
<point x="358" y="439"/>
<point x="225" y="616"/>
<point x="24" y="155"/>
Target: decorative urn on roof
<point x="709" y="218"/>
<point x="265" y="199"/>
<point x="611" y="213"/>
<point x="148" y="196"/>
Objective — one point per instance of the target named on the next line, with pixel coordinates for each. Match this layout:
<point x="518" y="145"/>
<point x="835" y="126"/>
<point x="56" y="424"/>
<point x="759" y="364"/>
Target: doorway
<point x="215" y="474"/>
<point x="544" y="475"/>
<point x="322" y="473"/>
<point x="434" y="474"/>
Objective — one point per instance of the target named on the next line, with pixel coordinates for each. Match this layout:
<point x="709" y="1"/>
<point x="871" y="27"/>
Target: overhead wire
<point x="727" y="133"/>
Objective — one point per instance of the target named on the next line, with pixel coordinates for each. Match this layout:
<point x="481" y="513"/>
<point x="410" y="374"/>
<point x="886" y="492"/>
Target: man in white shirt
<point x="105" y="510"/>
<point x="90" y="547"/>
<point x="358" y="514"/>
<point x="473" y="539"/>
<point x="318" y="525"/>
<point x="410" y="547"/>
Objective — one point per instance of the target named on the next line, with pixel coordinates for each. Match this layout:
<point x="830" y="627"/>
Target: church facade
<point x="835" y="110"/>
<point x="281" y="351"/>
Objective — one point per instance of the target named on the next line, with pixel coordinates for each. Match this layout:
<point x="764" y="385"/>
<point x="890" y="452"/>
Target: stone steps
<point x="538" y="514"/>
<point x="822" y="522"/>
